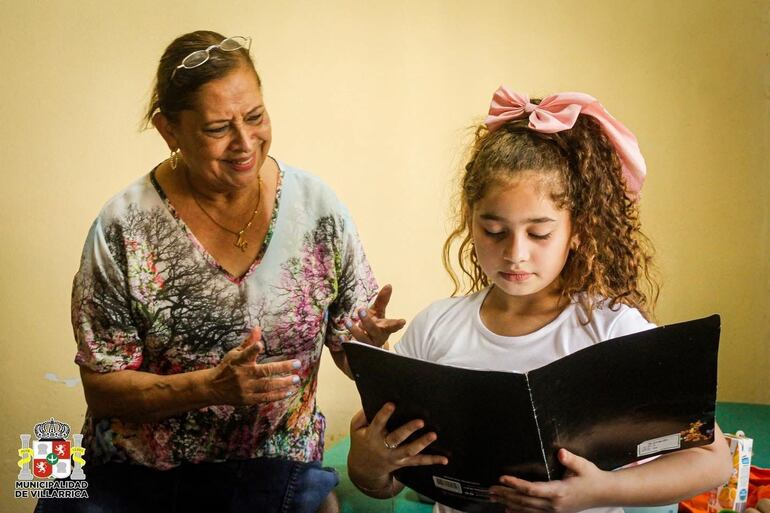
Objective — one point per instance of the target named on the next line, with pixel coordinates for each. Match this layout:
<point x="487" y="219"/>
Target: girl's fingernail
<point x="296" y="364"/>
<point x="362" y="313"/>
<point x="342" y="338"/>
<point x="348" y="324"/>
<point x="291" y="392"/>
<point x="295" y="379"/>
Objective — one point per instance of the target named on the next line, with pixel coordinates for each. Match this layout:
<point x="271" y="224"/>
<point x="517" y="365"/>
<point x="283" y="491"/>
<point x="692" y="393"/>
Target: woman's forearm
<point x="136" y="396"/>
<point x="237" y="380"/>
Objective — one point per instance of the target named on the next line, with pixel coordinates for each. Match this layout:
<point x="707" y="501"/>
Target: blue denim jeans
<point x="259" y="485"/>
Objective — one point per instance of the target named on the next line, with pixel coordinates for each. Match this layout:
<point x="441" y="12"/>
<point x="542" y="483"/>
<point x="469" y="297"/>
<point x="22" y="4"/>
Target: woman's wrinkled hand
<point x="239" y="380"/>
<point x="375" y="453"/>
<point x="581" y="488"/>
<point x="371" y="326"/>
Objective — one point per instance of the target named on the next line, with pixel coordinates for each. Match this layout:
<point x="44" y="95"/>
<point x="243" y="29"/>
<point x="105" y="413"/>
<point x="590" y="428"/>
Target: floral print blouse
<point x="148" y="297"/>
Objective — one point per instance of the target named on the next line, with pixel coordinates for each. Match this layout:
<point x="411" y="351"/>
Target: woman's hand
<point x="375" y="453"/>
<point x="581" y="488"/>
<point x="138" y="396"/>
<point x="240" y="380"/>
<point x="371" y="326"/>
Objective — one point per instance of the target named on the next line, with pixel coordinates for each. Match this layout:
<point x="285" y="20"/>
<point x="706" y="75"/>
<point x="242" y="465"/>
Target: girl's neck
<point x="514" y="316"/>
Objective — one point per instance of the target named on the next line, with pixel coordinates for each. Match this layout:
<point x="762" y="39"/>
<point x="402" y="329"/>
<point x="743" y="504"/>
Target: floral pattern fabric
<point x="148" y="297"/>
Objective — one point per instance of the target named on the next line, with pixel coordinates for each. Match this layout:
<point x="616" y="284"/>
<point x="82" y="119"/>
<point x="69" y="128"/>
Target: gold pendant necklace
<point x="240" y="241"/>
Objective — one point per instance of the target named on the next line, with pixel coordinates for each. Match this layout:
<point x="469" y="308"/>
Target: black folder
<point x="614" y="403"/>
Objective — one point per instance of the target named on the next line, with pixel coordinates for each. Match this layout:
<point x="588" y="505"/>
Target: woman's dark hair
<point x="173" y="95"/>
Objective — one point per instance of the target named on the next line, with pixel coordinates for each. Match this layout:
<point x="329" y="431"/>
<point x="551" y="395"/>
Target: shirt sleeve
<point x="356" y="285"/>
<point x="629" y="321"/>
<point x="414" y="343"/>
<point x="102" y="320"/>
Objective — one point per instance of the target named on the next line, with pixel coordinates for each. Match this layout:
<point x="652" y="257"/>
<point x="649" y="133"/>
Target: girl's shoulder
<point x="454" y="307"/>
<point x="450" y="316"/>
<point x="611" y="321"/>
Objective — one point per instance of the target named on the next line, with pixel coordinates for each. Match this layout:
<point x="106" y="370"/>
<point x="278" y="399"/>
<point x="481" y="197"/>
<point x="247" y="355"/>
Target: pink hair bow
<point x="559" y="112"/>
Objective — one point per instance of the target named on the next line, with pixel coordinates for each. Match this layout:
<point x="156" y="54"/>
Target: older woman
<point x="205" y="294"/>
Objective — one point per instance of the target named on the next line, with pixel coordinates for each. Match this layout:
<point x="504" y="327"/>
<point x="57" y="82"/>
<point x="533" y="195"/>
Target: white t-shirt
<point x="451" y="332"/>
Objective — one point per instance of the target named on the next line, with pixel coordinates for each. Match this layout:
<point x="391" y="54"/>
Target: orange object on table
<point x="759" y="488"/>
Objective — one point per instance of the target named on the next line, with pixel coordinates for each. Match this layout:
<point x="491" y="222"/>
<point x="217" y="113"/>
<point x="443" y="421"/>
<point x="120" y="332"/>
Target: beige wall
<point x="374" y="97"/>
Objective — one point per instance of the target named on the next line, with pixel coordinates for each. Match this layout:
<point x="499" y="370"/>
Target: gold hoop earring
<point x="173" y="160"/>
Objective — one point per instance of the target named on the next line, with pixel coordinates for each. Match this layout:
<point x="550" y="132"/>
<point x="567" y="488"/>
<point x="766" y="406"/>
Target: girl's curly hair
<point x="613" y="260"/>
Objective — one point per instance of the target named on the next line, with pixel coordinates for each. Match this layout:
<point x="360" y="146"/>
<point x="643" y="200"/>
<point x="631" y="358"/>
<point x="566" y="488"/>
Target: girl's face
<point x="522" y="239"/>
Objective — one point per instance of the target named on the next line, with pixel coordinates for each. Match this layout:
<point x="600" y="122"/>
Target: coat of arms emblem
<point x="51" y="455"/>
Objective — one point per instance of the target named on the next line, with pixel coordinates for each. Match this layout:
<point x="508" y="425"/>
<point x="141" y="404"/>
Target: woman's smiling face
<point x="225" y="139"/>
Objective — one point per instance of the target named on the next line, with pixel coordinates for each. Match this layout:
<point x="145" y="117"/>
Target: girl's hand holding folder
<point x="375" y="453"/>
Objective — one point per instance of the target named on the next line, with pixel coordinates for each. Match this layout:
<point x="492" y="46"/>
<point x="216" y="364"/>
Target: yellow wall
<point x="375" y="98"/>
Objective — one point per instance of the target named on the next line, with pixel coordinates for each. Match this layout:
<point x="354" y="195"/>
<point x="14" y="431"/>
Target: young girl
<point x="549" y="236"/>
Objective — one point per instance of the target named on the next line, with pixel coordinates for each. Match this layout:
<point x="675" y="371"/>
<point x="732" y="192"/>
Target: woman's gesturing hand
<point x="371" y="326"/>
<point x="240" y="380"/>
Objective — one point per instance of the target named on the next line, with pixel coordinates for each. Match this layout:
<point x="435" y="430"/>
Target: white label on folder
<point x="447" y="484"/>
<point x="657" y="445"/>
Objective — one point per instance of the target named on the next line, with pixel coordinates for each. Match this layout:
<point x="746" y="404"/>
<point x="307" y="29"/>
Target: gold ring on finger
<point x="389" y="446"/>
